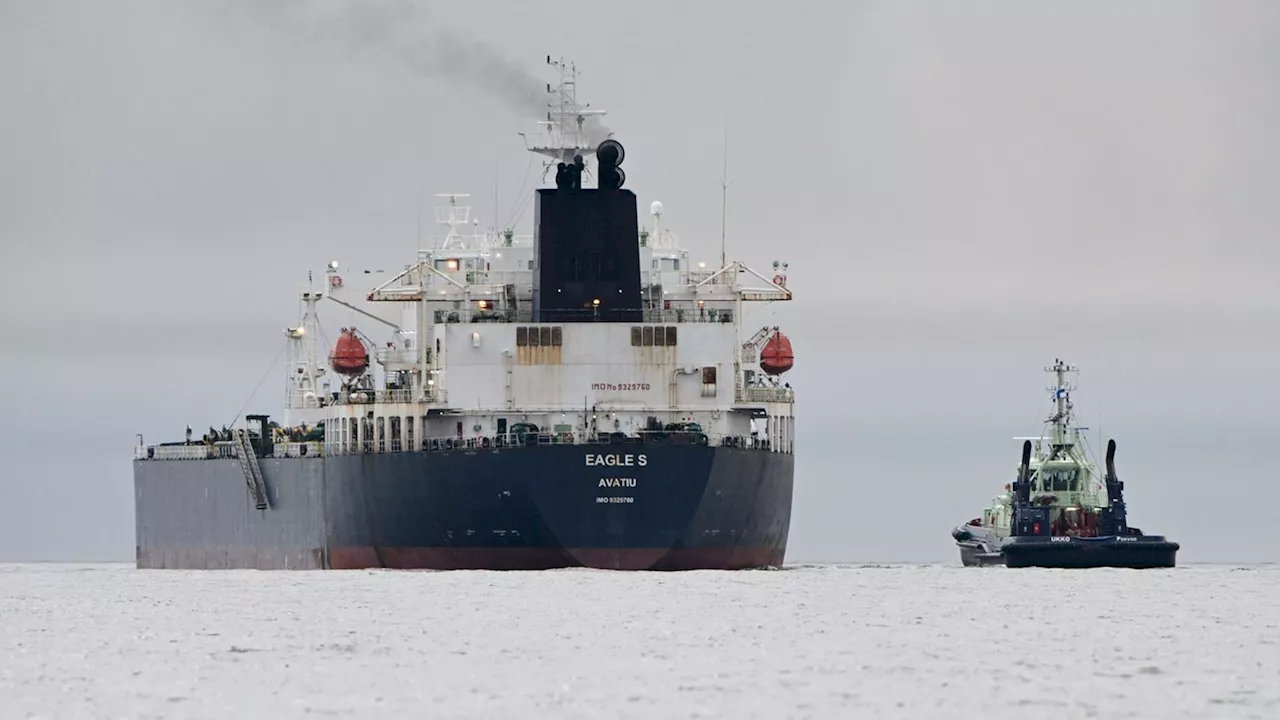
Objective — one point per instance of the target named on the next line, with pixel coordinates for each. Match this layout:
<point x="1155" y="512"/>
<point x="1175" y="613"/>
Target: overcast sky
<point x="964" y="191"/>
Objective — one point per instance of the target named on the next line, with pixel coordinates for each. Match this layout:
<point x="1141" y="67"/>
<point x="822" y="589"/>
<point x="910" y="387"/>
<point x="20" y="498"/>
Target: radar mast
<point x="570" y="128"/>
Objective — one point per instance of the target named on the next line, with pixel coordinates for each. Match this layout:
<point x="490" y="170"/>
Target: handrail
<point x="227" y="450"/>
<point x="673" y="315"/>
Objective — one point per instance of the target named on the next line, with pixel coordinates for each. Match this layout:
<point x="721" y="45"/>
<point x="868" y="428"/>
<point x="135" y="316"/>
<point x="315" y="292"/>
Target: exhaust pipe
<point x="1024" y="473"/>
<point x="1118" y="521"/>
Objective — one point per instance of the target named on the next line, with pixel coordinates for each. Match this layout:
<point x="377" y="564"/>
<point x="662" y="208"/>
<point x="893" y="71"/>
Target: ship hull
<point x="1134" y="552"/>
<point x="626" y="507"/>
<point x="975" y="555"/>
<point x="979" y="546"/>
<point x="1143" y="552"/>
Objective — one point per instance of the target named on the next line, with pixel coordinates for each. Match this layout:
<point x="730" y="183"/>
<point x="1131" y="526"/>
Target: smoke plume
<point x="401" y="32"/>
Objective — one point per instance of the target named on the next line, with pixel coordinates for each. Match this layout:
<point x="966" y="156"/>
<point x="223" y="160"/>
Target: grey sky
<point x="963" y="191"/>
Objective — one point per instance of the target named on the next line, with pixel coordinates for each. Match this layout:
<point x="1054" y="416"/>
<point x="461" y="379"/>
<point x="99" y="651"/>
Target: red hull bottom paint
<point x="400" y="558"/>
<point x="230" y="558"/>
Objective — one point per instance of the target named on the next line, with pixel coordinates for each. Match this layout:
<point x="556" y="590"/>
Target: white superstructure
<point x="459" y="360"/>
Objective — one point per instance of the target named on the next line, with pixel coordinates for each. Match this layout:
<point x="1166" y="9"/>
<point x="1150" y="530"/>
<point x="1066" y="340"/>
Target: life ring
<point x="335" y="281"/>
<point x="779" y="280"/>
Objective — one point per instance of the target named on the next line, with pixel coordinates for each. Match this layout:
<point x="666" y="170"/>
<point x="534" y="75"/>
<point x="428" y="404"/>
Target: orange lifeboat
<point x="776" y="357"/>
<point x="349" y="356"/>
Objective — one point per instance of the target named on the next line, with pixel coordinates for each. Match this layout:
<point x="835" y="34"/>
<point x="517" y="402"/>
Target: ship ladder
<point x="252" y="470"/>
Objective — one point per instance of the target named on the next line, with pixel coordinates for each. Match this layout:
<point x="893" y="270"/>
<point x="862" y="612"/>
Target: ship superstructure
<point x="584" y="396"/>
<point x="1061" y="511"/>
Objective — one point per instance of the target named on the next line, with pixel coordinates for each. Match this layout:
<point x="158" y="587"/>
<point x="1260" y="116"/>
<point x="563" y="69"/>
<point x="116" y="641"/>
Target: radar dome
<point x="655" y="208"/>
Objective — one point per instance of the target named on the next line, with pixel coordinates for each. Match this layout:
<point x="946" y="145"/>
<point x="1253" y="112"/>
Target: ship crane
<point x="751" y="348"/>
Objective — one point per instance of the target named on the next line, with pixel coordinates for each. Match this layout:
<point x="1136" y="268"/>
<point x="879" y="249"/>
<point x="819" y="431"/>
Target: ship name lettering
<point x="618" y="460"/>
<point x="1126" y="539"/>
<point x="618" y="482"/>
<point x="1060" y="538"/>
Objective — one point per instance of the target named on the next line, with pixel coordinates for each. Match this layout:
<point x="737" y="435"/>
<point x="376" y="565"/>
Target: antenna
<point x="565" y="123"/>
<point x="1061" y="398"/>
<point x="454" y="216"/>
<point x="724" y="193"/>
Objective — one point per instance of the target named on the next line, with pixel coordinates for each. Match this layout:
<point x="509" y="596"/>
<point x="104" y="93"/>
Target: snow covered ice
<point x="895" y="641"/>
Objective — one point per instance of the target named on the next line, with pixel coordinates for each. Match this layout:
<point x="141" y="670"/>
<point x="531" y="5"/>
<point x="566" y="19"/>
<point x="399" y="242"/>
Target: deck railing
<point x="228" y="450"/>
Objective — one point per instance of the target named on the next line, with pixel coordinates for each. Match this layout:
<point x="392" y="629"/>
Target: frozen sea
<point x="832" y="641"/>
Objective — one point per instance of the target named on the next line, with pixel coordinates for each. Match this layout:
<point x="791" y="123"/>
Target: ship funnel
<point x="1111" y="460"/>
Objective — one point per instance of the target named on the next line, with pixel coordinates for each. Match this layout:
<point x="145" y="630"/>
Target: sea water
<point x="893" y="641"/>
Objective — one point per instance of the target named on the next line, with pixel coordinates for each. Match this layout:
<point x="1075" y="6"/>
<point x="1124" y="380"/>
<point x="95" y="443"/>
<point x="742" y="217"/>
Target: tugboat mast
<point x="1061" y="419"/>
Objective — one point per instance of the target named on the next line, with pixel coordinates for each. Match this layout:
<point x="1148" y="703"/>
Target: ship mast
<point x="1061" y="419"/>
<point x="302" y="401"/>
<point x="568" y="126"/>
<point x="453" y="216"/>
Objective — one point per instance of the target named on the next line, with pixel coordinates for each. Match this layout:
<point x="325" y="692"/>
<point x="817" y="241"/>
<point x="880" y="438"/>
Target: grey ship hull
<point x="686" y="507"/>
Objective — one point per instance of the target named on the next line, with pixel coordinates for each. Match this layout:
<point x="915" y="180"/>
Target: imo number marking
<point x="620" y="386"/>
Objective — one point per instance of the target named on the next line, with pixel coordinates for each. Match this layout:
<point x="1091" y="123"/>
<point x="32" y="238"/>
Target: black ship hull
<point x="627" y="507"/>
<point x="1125" y="551"/>
<point x="1129" y="551"/>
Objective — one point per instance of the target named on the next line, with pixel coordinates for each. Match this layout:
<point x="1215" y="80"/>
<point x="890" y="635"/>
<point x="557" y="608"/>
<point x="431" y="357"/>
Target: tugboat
<point x="1061" y="512"/>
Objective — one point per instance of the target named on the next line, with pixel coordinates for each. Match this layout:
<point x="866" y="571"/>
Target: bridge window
<point x="1060" y="480"/>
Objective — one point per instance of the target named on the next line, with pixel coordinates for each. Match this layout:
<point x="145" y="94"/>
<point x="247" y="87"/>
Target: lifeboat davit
<point x="349" y="356"/>
<point x="776" y="357"/>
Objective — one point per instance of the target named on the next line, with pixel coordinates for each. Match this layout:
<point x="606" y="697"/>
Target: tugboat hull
<point x="978" y="548"/>
<point x="975" y="555"/>
<point x="1135" y="552"/>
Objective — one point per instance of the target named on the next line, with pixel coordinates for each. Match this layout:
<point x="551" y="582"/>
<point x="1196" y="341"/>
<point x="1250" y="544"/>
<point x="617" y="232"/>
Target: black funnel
<point x="586" y="247"/>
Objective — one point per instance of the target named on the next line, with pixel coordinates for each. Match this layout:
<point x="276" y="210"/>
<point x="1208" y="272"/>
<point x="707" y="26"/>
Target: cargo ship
<point x="1061" y="512"/>
<point x="585" y="397"/>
